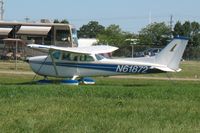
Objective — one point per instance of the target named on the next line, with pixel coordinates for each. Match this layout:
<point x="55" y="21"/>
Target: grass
<point x="112" y="105"/>
<point x="10" y="65"/>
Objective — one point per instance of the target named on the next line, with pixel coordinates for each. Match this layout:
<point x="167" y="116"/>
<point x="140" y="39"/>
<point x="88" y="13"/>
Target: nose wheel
<point x="85" y="80"/>
<point x="45" y="81"/>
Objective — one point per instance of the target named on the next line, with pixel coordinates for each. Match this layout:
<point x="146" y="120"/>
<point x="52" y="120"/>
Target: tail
<point x="172" y="54"/>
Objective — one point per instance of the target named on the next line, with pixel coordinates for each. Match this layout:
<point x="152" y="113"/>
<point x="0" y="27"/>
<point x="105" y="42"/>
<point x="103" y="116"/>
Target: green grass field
<point x="112" y="105"/>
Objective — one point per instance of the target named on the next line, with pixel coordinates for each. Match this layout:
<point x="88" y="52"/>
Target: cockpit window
<point x="56" y="54"/>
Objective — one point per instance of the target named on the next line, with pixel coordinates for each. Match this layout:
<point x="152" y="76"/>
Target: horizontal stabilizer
<point x="167" y="69"/>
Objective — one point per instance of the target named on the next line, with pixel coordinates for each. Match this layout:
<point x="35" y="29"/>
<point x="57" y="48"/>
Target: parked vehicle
<point x="148" y="52"/>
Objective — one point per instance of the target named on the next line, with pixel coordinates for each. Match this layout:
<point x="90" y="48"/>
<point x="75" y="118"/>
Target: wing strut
<point x="40" y="68"/>
<point x="54" y="63"/>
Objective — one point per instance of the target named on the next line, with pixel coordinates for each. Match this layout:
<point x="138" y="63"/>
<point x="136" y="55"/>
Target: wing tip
<point x="182" y="37"/>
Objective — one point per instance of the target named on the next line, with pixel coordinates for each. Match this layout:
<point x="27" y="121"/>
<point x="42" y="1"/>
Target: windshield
<point x="99" y="57"/>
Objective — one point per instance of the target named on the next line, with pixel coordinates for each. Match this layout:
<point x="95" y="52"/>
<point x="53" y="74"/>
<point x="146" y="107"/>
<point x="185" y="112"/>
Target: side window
<point x="62" y="35"/>
<point x="86" y="58"/>
<point x="66" y="56"/>
<point x="82" y="57"/>
<point x="56" y="54"/>
<point x="89" y="58"/>
<point x="70" y="56"/>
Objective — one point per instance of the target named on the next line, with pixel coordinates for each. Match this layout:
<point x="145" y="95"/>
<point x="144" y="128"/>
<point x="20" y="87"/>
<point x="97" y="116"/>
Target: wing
<point x="43" y="48"/>
<point x="84" y="50"/>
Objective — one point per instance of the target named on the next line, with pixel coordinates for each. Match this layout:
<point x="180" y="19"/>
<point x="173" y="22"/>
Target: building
<point x="41" y="33"/>
<point x="64" y="35"/>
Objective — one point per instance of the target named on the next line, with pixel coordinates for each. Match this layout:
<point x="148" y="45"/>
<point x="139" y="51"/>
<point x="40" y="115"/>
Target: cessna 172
<point x="80" y="62"/>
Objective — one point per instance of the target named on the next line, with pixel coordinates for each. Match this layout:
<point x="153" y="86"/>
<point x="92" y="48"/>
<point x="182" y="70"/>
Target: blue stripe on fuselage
<point x="104" y="67"/>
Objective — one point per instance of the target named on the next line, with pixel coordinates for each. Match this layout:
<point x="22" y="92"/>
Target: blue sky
<point x="131" y="15"/>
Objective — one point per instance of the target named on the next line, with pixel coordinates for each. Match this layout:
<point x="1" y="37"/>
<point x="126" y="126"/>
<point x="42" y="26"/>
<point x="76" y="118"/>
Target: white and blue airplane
<point x="80" y="62"/>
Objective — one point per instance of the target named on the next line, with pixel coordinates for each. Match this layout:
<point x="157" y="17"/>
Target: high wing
<point x="84" y="50"/>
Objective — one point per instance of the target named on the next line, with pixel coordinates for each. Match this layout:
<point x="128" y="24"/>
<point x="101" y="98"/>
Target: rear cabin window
<point x="86" y="58"/>
<point x="76" y="57"/>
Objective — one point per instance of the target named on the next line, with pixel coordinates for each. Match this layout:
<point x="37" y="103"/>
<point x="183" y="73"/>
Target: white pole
<point x="16" y="55"/>
<point x="132" y="50"/>
<point x="2" y="9"/>
<point x="150" y="17"/>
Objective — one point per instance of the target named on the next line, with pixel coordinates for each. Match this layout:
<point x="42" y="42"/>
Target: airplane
<point x="82" y="62"/>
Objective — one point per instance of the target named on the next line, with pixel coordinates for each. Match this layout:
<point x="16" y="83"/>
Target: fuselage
<point x="59" y="64"/>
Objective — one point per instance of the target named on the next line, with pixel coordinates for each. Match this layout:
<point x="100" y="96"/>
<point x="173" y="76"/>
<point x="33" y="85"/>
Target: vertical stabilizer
<point x="172" y="54"/>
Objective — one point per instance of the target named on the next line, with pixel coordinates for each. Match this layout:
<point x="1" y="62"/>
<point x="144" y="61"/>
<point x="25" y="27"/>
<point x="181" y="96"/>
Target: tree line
<point x="152" y="35"/>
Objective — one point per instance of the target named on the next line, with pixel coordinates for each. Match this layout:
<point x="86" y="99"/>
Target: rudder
<point x="172" y="54"/>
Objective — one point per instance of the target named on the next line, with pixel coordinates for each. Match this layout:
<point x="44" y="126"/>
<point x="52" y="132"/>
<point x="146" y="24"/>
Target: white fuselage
<point x="43" y="65"/>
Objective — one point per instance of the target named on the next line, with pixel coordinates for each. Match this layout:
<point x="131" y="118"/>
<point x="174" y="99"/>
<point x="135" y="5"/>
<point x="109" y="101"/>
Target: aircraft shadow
<point x="23" y="83"/>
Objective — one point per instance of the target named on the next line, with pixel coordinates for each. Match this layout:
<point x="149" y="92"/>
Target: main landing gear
<point x="87" y="81"/>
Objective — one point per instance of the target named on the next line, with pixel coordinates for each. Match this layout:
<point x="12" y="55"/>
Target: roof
<point x="5" y="31"/>
<point x="4" y="23"/>
<point x="30" y="28"/>
<point x="34" y="30"/>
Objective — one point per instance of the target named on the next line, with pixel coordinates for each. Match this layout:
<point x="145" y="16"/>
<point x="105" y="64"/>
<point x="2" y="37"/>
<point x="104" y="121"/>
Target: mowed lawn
<point x="112" y="105"/>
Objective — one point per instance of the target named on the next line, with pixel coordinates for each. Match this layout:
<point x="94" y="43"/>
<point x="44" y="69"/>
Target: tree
<point x="195" y="35"/>
<point x="64" y="21"/>
<point x="112" y="35"/>
<point x="91" y="30"/>
<point x="190" y="30"/>
<point x="155" y="34"/>
<point x="186" y="29"/>
<point x="195" y="28"/>
<point x="56" y="21"/>
<point x="178" y="29"/>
